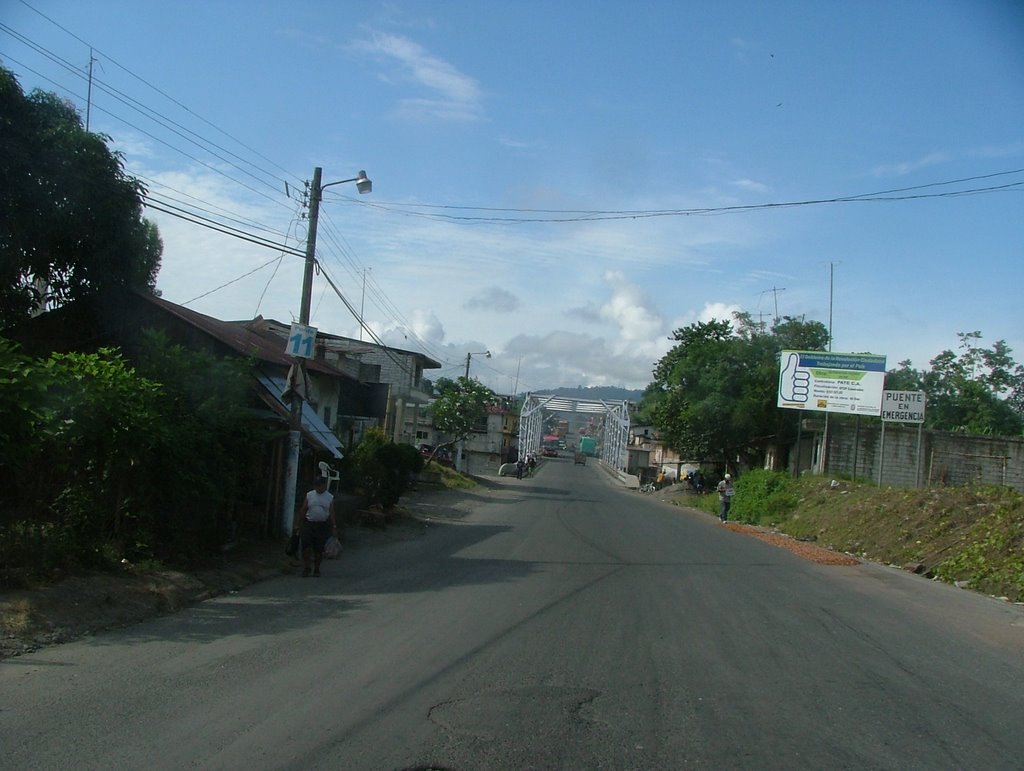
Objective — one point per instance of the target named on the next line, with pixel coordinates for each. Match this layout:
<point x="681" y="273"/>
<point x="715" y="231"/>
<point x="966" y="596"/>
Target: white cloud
<point x="749" y="184"/>
<point x="428" y="327"/>
<point x="455" y="96"/>
<point x="709" y="311"/>
<point x="632" y="311"/>
<point x="903" y="168"/>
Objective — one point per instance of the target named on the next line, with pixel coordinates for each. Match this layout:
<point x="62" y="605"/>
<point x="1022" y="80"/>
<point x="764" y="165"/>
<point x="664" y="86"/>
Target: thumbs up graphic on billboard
<point x="794" y="382"/>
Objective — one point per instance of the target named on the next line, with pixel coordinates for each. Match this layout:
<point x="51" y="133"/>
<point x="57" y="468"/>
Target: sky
<point x="564" y="184"/>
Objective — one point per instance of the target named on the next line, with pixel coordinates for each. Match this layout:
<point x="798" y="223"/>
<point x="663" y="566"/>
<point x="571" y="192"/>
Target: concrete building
<point x="399" y="371"/>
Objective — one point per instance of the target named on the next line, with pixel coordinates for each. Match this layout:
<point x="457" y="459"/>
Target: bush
<point x="763" y="496"/>
<point x="119" y="463"/>
<point x="385" y="469"/>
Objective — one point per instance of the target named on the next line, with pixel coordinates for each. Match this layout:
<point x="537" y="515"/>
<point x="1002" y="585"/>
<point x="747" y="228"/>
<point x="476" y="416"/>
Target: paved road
<point x="564" y="624"/>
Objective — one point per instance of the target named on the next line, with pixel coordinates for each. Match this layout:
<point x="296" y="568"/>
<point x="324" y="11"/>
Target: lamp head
<point x="487" y="354"/>
<point x="363" y="183"/>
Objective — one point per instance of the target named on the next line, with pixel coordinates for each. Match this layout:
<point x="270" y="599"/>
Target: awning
<point x="313" y="428"/>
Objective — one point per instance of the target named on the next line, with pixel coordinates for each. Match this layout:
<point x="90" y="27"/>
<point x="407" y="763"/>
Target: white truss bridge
<point x="613" y="432"/>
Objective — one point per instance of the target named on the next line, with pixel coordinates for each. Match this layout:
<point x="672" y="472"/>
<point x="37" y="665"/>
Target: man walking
<point x="725" y="493"/>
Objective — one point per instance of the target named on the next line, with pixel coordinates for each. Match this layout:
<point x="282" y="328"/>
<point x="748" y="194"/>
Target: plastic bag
<point x="292" y="547"/>
<point x="332" y="549"/>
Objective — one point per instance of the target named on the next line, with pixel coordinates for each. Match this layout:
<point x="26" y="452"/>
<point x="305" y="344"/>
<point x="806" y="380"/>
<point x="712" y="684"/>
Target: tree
<point x="460" y="405"/>
<point x="713" y="395"/>
<point x="70" y="217"/>
<point x="978" y="390"/>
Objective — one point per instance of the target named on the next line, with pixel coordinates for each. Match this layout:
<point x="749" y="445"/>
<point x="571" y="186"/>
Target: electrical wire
<point x="212" y="225"/>
<point x="232" y="281"/>
<point x="167" y="96"/>
<point x="706" y="211"/>
<point x="373" y="335"/>
<point x="152" y="136"/>
<point x="221" y="218"/>
<point x="293" y="225"/>
<point x="376" y="293"/>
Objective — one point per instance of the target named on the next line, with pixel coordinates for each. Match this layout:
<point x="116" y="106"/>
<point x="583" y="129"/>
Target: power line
<point x="377" y="294"/>
<point x="163" y="94"/>
<point x="195" y="219"/>
<point x="232" y="281"/>
<point x="571" y="215"/>
<point x="193" y="209"/>
<point x="152" y="136"/>
<point x="168" y="123"/>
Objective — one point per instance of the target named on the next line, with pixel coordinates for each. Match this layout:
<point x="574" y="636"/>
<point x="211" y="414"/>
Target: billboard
<point x="851" y="383"/>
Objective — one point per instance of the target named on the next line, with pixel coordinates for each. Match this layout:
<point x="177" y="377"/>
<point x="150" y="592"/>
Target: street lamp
<point x="462" y="444"/>
<point x="469" y="357"/>
<point x="291" y="467"/>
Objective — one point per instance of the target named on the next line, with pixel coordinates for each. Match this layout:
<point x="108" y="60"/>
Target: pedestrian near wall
<point x="725" y="493"/>
<point x="315" y="522"/>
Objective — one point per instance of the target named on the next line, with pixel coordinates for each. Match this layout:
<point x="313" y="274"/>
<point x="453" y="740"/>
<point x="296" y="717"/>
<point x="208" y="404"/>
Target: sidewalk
<point x="31" y="619"/>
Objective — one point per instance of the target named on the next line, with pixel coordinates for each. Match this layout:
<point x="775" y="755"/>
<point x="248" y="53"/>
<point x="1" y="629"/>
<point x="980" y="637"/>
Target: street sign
<point x="850" y="383"/>
<point x="903" y="406"/>
<point x="301" y="342"/>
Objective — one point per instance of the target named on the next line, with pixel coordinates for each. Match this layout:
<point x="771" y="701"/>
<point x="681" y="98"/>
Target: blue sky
<point x="565" y="183"/>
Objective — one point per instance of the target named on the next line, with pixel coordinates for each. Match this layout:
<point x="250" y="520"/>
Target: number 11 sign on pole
<point x="301" y="341"/>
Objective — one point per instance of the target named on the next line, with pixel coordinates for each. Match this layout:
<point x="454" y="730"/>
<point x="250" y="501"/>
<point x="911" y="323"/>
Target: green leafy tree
<point x="977" y="390"/>
<point x="70" y="217"/>
<point x="713" y="394"/>
<point x="22" y="412"/>
<point x="113" y="462"/>
<point x="459" y="406"/>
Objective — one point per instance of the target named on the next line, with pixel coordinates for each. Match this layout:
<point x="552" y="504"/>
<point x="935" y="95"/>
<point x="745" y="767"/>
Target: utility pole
<point x="88" y="98"/>
<point x="775" y="294"/>
<point x="362" y="303"/>
<point x="823" y="461"/>
<point x="298" y="371"/>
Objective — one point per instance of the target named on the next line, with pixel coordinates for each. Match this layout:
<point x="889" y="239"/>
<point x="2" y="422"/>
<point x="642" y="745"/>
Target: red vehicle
<point x="549" y="446"/>
<point x="442" y="455"/>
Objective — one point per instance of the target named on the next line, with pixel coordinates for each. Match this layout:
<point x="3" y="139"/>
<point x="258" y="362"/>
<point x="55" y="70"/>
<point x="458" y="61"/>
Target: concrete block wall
<point x="942" y="458"/>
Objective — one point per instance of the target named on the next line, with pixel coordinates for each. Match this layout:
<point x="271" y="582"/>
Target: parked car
<point x="442" y="456"/>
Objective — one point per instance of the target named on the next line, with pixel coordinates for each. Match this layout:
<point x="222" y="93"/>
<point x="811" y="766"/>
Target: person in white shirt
<point x="725" y="493"/>
<point x="315" y="522"/>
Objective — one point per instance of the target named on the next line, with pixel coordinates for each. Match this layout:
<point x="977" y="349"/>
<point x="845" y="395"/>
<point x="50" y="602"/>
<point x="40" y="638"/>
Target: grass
<point x="446" y="477"/>
<point x="972" y="536"/>
<point x="17" y="618"/>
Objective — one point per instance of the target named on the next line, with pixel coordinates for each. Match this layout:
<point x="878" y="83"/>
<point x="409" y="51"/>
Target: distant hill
<point x="605" y="393"/>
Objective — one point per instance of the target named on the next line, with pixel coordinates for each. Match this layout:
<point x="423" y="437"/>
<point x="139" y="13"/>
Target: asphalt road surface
<point x="564" y="624"/>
